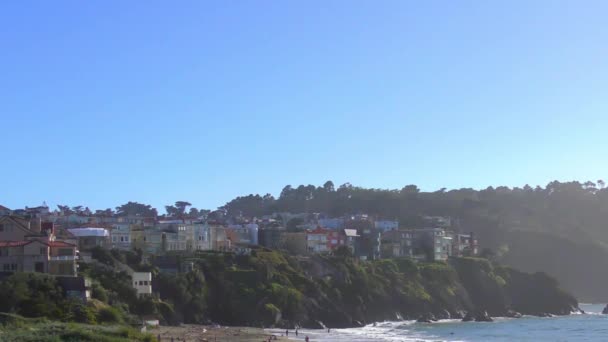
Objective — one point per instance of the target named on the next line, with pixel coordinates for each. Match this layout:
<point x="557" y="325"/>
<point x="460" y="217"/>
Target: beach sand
<point x="201" y="333"/>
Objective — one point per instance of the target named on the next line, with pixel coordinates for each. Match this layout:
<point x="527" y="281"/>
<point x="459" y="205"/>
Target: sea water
<point x="592" y="326"/>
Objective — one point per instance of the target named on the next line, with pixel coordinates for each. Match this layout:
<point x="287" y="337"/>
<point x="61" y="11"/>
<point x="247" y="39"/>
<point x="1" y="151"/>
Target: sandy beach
<point x="201" y="333"/>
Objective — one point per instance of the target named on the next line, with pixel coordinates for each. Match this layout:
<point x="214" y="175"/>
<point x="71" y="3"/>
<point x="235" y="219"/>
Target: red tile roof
<point x="14" y="243"/>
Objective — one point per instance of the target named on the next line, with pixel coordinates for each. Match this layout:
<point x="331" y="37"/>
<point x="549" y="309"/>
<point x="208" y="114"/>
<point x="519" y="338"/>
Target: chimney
<point x="35" y="224"/>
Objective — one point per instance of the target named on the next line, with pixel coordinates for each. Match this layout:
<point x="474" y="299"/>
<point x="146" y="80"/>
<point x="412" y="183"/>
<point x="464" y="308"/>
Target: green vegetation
<point x="270" y="288"/>
<point x="528" y="227"/>
<point x="14" y="328"/>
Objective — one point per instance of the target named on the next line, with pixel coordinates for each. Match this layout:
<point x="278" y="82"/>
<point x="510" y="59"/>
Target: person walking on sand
<point x="286" y="332"/>
<point x="296" y="332"/>
<point x="306" y="339"/>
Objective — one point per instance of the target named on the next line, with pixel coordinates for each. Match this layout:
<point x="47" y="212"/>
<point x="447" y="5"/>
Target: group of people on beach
<point x="307" y="339"/>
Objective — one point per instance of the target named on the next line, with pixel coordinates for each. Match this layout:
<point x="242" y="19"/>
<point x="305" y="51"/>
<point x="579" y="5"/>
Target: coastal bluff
<point x="271" y="289"/>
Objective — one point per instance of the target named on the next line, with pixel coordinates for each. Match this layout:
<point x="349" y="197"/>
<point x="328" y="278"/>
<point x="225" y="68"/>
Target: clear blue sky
<point x="102" y="102"/>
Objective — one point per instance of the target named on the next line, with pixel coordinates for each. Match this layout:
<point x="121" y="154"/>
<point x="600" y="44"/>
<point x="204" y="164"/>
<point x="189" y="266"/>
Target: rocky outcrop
<point x="605" y="311"/>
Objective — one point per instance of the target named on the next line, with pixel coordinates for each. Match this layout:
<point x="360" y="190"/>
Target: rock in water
<point x="468" y="317"/>
<point x="483" y="317"/>
<point x="605" y="311"/>
<point x="513" y="314"/>
<point x="426" y="318"/>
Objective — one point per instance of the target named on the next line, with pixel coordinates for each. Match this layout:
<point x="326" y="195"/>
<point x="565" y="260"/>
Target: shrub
<point x="109" y="315"/>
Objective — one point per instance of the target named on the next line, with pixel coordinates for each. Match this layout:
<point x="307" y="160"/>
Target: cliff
<point x="269" y="288"/>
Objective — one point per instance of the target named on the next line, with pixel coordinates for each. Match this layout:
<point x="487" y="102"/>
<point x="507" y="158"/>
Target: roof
<point x="350" y="232"/>
<point x="60" y="244"/>
<point x="27" y="242"/>
<point x="81" y="232"/>
<point x="14" y="243"/>
<point x="318" y="230"/>
<point x="4" y="208"/>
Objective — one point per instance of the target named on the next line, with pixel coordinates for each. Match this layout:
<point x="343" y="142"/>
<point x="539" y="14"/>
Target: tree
<point x="292" y="225"/>
<point x="136" y="209"/>
<point x="329" y="186"/>
<point x="177" y="210"/>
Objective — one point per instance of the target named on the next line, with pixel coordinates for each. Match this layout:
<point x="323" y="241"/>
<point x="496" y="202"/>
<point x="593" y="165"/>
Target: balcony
<point x="63" y="258"/>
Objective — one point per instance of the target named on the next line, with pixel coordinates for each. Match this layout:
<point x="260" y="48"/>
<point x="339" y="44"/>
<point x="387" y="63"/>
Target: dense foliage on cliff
<point x="269" y="288"/>
<point x="528" y="227"/>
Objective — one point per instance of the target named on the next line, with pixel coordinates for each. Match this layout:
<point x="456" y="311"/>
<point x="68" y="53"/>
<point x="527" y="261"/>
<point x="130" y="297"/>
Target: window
<point x="6" y="267"/>
<point x="1" y="227"/>
<point x="13" y="267"/>
<point x="42" y="251"/>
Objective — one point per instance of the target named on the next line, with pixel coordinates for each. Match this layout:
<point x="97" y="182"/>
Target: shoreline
<point x="205" y="333"/>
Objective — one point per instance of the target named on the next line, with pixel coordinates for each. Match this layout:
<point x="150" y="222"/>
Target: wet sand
<point x="201" y="333"/>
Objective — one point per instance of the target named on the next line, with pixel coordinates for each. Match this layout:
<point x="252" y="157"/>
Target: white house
<point x="142" y="283"/>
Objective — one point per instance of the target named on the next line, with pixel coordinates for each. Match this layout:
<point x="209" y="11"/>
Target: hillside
<point x="269" y="288"/>
<point x="559" y="229"/>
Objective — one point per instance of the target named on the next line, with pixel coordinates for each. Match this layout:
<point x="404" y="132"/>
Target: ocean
<point x="592" y="326"/>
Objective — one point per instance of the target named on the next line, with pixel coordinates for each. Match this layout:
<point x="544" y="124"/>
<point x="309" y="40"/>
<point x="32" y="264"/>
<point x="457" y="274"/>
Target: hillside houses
<point x="75" y="234"/>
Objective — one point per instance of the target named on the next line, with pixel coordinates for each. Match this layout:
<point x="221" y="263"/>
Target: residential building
<point x="4" y="211"/>
<point x="76" y="287"/>
<point x="142" y="283"/>
<point x="464" y="245"/>
<point x="120" y="236"/>
<point x="397" y="244"/>
<point x="219" y="238"/>
<point x="386" y="225"/>
<point x="331" y="223"/>
<point x="351" y="239"/>
<point x="432" y="244"/>
<point x="202" y="237"/>
<point x="317" y="240"/>
<point x="89" y="237"/>
<point x="54" y="257"/>
<point x="270" y="237"/>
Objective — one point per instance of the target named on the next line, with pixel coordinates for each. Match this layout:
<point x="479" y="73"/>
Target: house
<point x="244" y="234"/>
<point x="370" y="242"/>
<point x="202" y="237"/>
<point x="27" y="247"/>
<point x="53" y="257"/>
<point x="149" y="240"/>
<point x="331" y="223"/>
<point x="317" y="240"/>
<point x="351" y="239"/>
<point x="270" y="237"/>
<point x="386" y="225"/>
<point x="4" y="211"/>
<point x="397" y="244"/>
<point x="432" y="244"/>
<point x="219" y="238"/>
<point x="142" y="283"/>
<point x="465" y="245"/>
<point x="89" y="237"/>
<point x="120" y="236"/>
<point x="76" y="287"/>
